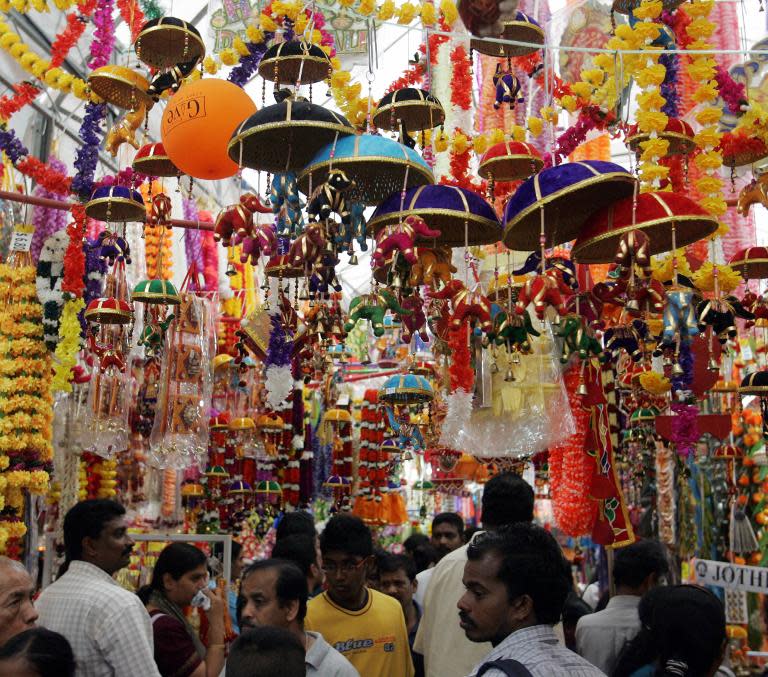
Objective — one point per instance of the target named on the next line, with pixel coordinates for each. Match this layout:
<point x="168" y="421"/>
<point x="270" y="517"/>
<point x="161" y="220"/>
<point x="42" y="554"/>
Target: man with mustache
<point x="507" y="498"/>
<point x="447" y="536"/>
<point x="516" y="582"/>
<point x="108" y="627"/>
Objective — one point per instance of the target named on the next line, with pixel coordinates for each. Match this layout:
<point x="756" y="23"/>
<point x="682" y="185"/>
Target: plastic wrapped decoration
<point x="179" y="437"/>
<point x="529" y="412"/>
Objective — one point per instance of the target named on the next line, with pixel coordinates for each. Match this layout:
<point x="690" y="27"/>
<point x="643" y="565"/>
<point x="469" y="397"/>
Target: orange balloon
<point x="198" y="122"/>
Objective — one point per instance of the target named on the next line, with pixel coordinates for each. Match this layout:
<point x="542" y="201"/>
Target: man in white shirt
<point x="108" y="627"/>
<point x="637" y="568"/>
<point x="447" y="536"/>
<point x="516" y="582"/>
<point x="507" y="498"/>
<point x="275" y="593"/>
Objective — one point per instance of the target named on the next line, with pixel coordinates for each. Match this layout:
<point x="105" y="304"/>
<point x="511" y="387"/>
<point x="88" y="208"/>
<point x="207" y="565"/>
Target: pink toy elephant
<point x="401" y="237"/>
<point x="262" y="242"/>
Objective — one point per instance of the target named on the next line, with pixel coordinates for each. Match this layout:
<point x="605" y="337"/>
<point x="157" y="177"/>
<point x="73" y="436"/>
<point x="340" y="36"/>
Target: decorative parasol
<point x="510" y="161"/>
<point x="109" y="310"/>
<point x="751" y="262"/>
<point x="152" y="160"/>
<point x="416" y="108"/>
<point x="378" y="166"/>
<point x="406" y="389"/>
<point x="239" y="487"/>
<point x="285" y="136"/>
<point x="279" y="266"/>
<point x="461" y="215"/>
<point x="668" y="219"/>
<point x="116" y="204"/>
<point x="167" y="41"/>
<point x="678" y="132"/>
<point x="295" y="62"/>
<point x="120" y="86"/>
<point x="756" y="384"/>
<point x="522" y="29"/>
<point x="560" y="199"/>
<point x="156" y="292"/>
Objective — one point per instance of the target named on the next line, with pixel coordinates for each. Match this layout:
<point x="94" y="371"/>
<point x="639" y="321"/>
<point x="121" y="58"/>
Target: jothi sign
<point x="731" y="576"/>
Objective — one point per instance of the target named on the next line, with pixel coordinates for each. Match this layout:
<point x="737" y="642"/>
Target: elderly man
<point x="16" y="590"/>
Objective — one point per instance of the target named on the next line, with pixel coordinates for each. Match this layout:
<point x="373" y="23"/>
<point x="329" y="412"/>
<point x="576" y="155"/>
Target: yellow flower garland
<point x="68" y="346"/>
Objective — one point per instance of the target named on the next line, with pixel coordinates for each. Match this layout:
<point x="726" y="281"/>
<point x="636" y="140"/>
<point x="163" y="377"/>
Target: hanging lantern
<point x="109" y="311"/>
<point x="120" y="86"/>
<point x="152" y="160"/>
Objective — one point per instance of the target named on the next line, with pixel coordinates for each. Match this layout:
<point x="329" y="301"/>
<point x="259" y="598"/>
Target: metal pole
<point x="66" y="206"/>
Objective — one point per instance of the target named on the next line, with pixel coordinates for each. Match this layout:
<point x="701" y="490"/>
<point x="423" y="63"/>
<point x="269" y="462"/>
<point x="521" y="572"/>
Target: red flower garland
<point x="43" y="174"/>
<point x="415" y="73"/>
<point x="132" y="15"/>
<point x="74" y="259"/>
<point x="461" y="91"/>
<point x="25" y="93"/>
<point x="460" y="371"/>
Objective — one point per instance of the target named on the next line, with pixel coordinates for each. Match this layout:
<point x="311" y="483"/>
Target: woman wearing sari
<point x="179" y="575"/>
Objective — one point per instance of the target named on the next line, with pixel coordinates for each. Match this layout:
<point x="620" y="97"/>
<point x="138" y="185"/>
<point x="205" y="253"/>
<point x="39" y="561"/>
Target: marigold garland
<point x="68" y="345"/>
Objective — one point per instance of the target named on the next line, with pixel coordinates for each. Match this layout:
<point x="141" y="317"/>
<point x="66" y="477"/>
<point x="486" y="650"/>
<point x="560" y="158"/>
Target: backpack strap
<point x="508" y="666"/>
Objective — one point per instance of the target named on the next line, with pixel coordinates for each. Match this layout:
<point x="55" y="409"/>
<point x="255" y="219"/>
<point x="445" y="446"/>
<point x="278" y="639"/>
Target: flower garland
<point x="193" y="240"/>
<point x="701" y="69"/>
<point x="30" y="166"/>
<point x="103" y="42"/>
<point x="68" y="346"/>
<point x="87" y="157"/>
<point x="41" y="68"/>
<point x="132" y="15"/>
<point x="733" y="93"/>
<point x="589" y="118"/>
<point x="152" y="10"/>
<point x="669" y="88"/>
<point x="210" y="254"/>
<point x="25" y="93"/>
<point x="157" y="247"/>
<point x="47" y="221"/>
<point x="26" y="406"/>
<point x="278" y="381"/>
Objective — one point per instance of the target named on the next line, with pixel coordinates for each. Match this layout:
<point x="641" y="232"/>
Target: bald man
<point x="17" y="612"/>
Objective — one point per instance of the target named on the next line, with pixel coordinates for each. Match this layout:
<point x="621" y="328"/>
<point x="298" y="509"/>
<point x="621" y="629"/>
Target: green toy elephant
<point x="373" y="307"/>
<point x="577" y="340"/>
<point x="511" y="330"/>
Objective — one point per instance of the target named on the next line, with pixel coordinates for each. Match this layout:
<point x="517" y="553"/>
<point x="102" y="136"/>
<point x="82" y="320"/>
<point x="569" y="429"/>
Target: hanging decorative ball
<point x="406" y="389"/>
<point x="156" y="292"/>
<point x="678" y="132"/>
<point x="285" y="136"/>
<point x="116" y="204"/>
<point x="659" y="215"/>
<point x="295" y="62"/>
<point x="109" y="310"/>
<point x="563" y="197"/>
<point x="152" y="160"/>
<point x="462" y="216"/>
<point x="379" y="167"/>
<point x="168" y="41"/>
<point x="197" y="124"/>
<point x="120" y="86"/>
<point x="510" y="161"/>
<point x="417" y="109"/>
<point x="751" y="262"/>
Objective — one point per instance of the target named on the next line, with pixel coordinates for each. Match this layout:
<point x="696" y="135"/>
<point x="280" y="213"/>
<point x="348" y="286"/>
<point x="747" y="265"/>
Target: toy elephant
<point x="589" y="306"/>
<point x="721" y="314"/>
<point x="373" y="307"/>
<point x="631" y="338"/>
<point x="113" y="248"/>
<point x="757" y="306"/>
<point x="262" y="242"/>
<point x="308" y="247"/>
<point x="160" y="211"/>
<point x="170" y="79"/>
<point x="323" y="278"/>
<point x="467" y="305"/>
<point x="354" y="229"/>
<point x="402" y="237"/>
<point x="238" y="219"/>
<point x="433" y="267"/>
<point x="679" y="316"/>
<point x="511" y="330"/>
<point x="507" y="88"/>
<point x="576" y="339"/>
<point x="546" y="289"/>
<point x="331" y="198"/>
<point x="415" y="322"/>
<point x="125" y="131"/>
<point x="286" y="203"/>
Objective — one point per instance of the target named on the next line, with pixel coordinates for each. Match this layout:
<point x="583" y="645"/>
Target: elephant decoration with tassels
<point x="261" y="242"/>
<point x="466" y="305"/>
<point x="373" y="307"/>
<point x="415" y="322"/>
<point x="757" y="306"/>
<point x="756" y="192"/>
<point x="514" y="331"/>
<point x="589" y="306"/>
<point x="433" y="267"/>
<point x="354" y="230"/>
<point x="631" y="338"/>
<point x="108" y="355"/>
<point x="160" y="211"/>
<point x="679" y="319"/>
<point x="113" y="248"/>
<point x="331" y="198"/>
<point x="308" y="248"/>
<point x="286" y="204"/>
<point x="507" y="89"/>
<point x="577" y="340"/>
<point x="238" y="219"/>
<point x="721" y="314"/>
<point x="401" y="237"/>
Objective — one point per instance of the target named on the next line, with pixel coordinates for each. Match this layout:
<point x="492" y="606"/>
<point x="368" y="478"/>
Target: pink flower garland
<point x="733" y="93"/>
<point x="104" y="36"/>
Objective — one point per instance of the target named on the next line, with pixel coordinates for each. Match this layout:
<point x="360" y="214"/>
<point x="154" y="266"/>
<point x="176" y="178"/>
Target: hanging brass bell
<point x="712" y="365"/>
<point x="677" y="369"/>
<point x="509" y="376"/>
<point x="582" y="391"/>
<point x="494" y="368"/>
<point x="632" y="304"/>
<point x="231" y="271"/>
<point x="353" y="260"/>
<point x="515" y="358"/>
<point x="667" y="361"/>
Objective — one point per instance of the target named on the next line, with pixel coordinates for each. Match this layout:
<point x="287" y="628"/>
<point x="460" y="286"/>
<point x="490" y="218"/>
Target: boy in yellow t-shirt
<point x="367" y="627"/>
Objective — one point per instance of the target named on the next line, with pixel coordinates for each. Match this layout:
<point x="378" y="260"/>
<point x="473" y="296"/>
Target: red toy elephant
<point x="416" y="322"/>
<point x="238" y="219"/>
<point x="466" y="304"/>
<point x="758" y="306"/>
<point x="160" y="211"/>
<point x="546" y="289"/>
<point x="308" y="247"/>
<point x="402" y="236"/>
